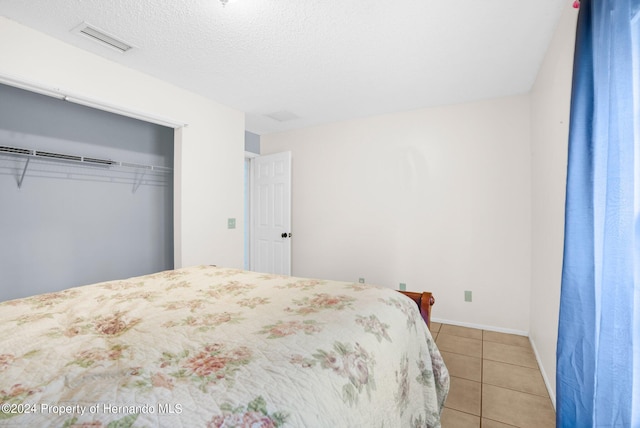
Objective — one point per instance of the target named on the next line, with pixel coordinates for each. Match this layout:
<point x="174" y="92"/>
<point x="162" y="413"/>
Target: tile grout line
<point x="482" y="379"/>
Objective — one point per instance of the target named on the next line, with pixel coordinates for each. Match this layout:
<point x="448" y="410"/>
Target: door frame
<point x="248" y="208"/>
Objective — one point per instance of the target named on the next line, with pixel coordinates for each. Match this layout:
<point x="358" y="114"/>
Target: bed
<point x="216" y="347"/>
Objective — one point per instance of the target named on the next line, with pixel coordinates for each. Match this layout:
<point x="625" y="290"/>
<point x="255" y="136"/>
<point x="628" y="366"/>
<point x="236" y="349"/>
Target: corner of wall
<point x="550" y="105"/>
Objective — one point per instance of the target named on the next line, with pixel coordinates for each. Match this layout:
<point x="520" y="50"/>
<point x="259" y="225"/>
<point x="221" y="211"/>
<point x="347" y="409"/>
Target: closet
<point x="85" y="195"/>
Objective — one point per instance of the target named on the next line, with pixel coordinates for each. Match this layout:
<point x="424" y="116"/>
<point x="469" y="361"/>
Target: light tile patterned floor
<point x="495" y="380"/>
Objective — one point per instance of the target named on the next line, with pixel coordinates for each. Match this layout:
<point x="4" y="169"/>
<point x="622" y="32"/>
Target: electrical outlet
<point x="231" y="223"/>
<point x="467" y="296"/>
<point x="361" y="280"/>
<point x="403" y="286"/>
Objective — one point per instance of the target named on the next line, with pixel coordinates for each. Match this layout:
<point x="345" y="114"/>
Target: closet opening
<point x="87" y="195"/>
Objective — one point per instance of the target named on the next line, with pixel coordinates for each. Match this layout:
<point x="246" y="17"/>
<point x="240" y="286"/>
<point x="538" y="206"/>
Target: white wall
<point x="550" y="103"/>
<point x="209" y="152"/>
<point x="439" y="199"/>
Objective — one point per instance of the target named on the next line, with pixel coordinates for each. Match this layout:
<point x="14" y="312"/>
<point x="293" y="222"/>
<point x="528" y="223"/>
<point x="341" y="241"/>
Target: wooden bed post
<point x="424" y="301"/>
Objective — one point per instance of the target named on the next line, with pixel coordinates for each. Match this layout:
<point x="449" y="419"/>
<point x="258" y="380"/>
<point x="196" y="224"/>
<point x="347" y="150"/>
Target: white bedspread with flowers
<point x="207" y="346"/>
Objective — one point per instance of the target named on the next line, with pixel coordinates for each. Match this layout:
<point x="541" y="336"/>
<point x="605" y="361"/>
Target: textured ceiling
<point x="313" y="61"/>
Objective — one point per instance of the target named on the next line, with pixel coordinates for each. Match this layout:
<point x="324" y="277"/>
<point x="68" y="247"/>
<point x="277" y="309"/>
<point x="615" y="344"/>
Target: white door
<point x="271" y="213"/>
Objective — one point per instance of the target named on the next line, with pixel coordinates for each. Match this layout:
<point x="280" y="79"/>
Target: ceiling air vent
<point x="102" y="37"/>
<point x="282" y="116"/>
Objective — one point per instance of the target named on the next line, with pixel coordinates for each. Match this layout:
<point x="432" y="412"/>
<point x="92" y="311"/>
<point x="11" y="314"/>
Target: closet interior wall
<point x="65" y="223"/>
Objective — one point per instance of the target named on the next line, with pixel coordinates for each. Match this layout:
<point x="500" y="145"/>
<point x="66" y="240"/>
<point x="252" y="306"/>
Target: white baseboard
<point x="481" y="327"/>
<point x="552" y="393"/>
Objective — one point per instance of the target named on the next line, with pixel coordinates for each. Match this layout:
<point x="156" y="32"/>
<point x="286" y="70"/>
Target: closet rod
<point x="89" y="161"/>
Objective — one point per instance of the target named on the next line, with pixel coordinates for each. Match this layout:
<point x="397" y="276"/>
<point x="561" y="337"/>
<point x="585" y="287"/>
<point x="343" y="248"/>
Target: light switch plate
<point x="231" y="223"/>
<point x="467" y="296"/>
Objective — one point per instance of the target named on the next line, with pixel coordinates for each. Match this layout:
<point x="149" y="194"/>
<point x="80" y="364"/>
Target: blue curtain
<point x="598" y="354"/>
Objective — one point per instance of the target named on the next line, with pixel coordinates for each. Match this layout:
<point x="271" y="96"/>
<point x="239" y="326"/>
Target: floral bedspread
<point x="207" y="346"/>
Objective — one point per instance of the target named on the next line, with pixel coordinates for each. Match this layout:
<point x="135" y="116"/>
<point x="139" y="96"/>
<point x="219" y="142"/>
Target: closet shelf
<point x="82" y="160"/>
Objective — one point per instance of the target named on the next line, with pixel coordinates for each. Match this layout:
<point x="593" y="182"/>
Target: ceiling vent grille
<point x="102" y="37"/>
<point x="282" y="116"/>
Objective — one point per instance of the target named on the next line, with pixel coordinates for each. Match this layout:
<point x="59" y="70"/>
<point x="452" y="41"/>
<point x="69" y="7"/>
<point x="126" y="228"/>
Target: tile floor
<point x="495" y="380"/>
